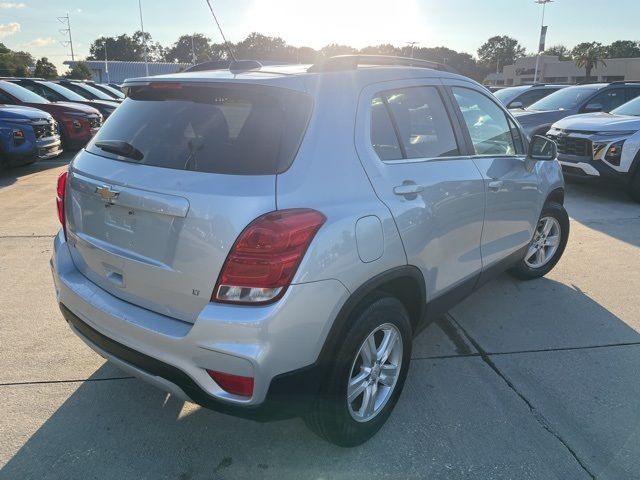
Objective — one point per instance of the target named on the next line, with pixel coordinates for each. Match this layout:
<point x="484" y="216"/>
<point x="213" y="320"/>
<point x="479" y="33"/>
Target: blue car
<point x="26" y="135"/>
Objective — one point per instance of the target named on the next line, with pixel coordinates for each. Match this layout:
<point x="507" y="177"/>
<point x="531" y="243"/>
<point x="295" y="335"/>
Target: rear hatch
<point x="159" y="196"/>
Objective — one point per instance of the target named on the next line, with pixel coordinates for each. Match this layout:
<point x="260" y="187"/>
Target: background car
<point x="597" y="97"/>
<point x="525" y="95"/>
<point x="26" y="135"/>
<point x="602" y="146"/>
<point x="87" y="91"/>
<point x="54" y="92"/>
<point x="77" y="123"/>
<point x="116" y="93"/>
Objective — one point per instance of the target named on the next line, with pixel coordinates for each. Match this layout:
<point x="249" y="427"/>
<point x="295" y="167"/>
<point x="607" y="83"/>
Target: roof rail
<point x="352" y="62"/>
<point x="624" y="82"/>
<point x="21" y="78"/>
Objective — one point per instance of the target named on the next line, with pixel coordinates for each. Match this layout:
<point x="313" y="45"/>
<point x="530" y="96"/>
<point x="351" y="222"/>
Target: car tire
<point x="634" y="186"/>
<point x="546" y="248"/>
<point x="349" y="423"/>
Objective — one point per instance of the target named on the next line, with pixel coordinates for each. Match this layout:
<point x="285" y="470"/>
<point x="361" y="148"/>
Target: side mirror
<point x="516" y="104"/>
<point x="541" y="148"/>
<point x="593" y="107"/>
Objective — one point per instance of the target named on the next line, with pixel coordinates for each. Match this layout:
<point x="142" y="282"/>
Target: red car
<point x="77" y="123"/>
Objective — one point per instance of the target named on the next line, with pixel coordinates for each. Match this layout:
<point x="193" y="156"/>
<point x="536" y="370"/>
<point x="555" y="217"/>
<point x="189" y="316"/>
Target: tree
<point x="186" y="46"/>
<point x="79" y="71"/>
<point x="126" y="48"/>
<point x="559" y="51"/>
<point x="334" y="49"/>
<point x="45" y="69"/>
<point x="499" y="51"/>
<point x="623" y="49"/>
<point x="12" y="61"/>
<point x="22" y="71"/>
<point x="386" y="49"/>
<point x="260" y="47"/>
<point x="588" y="55"/>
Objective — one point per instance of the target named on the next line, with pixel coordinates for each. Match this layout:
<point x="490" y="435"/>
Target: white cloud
<point x="39" y="42"/>
<point x="7" y="29"/>
<point x="12" y="5"/>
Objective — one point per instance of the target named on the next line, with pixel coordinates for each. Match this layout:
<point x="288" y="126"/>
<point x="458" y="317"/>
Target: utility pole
<point x="144" y="40"/>
<point x="66" y="31"/>
<point x="412" y="44"/>
<point x="543" y="33"/>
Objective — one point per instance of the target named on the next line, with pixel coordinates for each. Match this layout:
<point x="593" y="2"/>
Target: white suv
<point x="602" y="146"/>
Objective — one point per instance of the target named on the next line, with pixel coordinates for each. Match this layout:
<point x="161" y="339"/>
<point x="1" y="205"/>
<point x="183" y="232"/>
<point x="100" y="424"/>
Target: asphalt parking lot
<point x="534" y="380"/>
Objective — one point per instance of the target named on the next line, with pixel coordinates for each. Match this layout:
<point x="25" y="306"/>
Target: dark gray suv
<point x="596" y="97"/>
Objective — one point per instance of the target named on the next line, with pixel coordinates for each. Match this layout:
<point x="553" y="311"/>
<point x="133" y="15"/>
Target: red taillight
<point x="165" y="85"/>
<point x="233" y="383"/>
<point x="264" y="259"/>
<point x="62" y="186"/>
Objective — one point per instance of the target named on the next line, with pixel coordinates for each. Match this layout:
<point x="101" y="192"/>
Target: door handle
<point x="495" y="185"/>
<point x="408" y="189"/>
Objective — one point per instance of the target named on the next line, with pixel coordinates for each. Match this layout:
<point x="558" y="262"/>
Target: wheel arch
<point x="556" y="196"/>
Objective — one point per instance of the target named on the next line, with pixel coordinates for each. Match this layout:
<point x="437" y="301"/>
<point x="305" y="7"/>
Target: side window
<point x="49" y="94"/>
<point x="533" y="95"/>
<point x="632" y="93"/>
<point x="6" y="99"/>
<point x="419" y="121"/>
<point x="609" y="99"/>
<point x="487" y="123"/>
<point x="383" y="136"/>
<point x="517" y="137"/>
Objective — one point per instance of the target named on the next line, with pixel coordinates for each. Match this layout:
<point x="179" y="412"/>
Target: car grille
<point x="95" y="122"/>
<point x="44" y="129"/>
<point x="580" y="147"/>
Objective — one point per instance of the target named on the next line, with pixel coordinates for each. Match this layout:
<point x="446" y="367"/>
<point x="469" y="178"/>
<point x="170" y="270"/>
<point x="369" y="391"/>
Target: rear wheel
<point x="367" y="377"/>
<point x="547" y="245"/>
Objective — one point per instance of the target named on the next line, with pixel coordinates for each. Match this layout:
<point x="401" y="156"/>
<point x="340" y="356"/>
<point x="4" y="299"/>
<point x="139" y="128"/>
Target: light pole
<point x="412" y="44"/>
<point x="144" y="40"/>
<point x="542" y="32"/>
<point x="106" y="61"/>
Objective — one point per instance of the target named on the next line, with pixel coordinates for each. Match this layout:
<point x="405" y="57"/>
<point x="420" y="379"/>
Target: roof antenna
<point x="226" y="44"/>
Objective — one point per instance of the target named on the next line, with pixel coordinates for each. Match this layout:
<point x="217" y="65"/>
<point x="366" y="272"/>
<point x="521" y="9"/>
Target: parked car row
<point x="596" y="127"/>
<point x="40" y="118"/>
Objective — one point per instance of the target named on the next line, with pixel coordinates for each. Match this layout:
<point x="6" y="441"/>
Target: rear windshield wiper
<point x="121" y="148"/>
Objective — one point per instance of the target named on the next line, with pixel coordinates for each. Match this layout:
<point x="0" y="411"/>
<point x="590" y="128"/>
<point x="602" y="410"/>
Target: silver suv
<point x="266" y="242"/>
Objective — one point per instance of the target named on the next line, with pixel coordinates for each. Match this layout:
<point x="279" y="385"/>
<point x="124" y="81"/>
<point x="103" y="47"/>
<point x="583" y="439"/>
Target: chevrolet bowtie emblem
<point x="107" y="194"/>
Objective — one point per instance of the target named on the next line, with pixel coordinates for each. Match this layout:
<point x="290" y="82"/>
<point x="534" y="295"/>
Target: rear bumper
<point x="277" y="345"/>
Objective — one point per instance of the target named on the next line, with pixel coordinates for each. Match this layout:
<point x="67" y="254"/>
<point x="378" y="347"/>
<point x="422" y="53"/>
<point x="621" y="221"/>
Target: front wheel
<point x="367" y="376"/>
<point x="547" y="245"/>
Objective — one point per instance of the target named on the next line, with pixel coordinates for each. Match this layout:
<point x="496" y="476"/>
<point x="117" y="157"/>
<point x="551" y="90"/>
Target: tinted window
<point x="507" y="95"/>
<point x="236" y="130"/>
<point x="609" y="99"/>
<point x="421" y="122"/>
<point x="629" y="108"/>
<point x="487" y="123"/>
<point x="62" y="92"/>
<point x="533" y="95"/>
<point x="21" y="93"/>
<point x="40" y="90"/>
<point x="565" y="99"/>
<point x="383" y="135"/>
<point x="5" y="99"/>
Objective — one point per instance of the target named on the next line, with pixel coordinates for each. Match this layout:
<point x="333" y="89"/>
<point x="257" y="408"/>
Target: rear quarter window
<point x="239" y="130"/>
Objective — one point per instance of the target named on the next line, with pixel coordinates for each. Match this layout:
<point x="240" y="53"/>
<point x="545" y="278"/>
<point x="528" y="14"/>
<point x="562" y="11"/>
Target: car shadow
<point x="604" y="208"/>
<point x="451" y="408"/>
<point x="11" y="175"/>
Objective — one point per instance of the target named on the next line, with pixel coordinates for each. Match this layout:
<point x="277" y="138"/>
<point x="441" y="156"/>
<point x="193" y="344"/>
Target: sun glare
<point x="353" y="22"/>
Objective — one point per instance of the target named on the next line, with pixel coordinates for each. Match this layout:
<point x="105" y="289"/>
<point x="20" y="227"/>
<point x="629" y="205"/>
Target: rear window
<point x="238" y="130"/>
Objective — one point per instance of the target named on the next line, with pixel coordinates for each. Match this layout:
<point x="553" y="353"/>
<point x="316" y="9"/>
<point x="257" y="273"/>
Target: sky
<point x="462" y="25"/>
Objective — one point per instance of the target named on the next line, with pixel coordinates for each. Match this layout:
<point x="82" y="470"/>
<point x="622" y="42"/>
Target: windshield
<point x="91" y="91"/>
<point x="233" y="130"/>
<point x="22" y="93"/>
<point x="506" y="95"/>
<point x="64" y="92"/>
<point x="565" y="99"/>
<point x="117" y="93"/>
<point x="630" y="108"/>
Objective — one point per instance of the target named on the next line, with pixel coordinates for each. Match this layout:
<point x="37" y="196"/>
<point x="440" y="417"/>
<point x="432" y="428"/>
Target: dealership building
<point x="553" y="70"/>
<point x="117" y="72"/>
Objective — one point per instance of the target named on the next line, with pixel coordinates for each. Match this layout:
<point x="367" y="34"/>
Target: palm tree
<point x="588" y="56"/>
